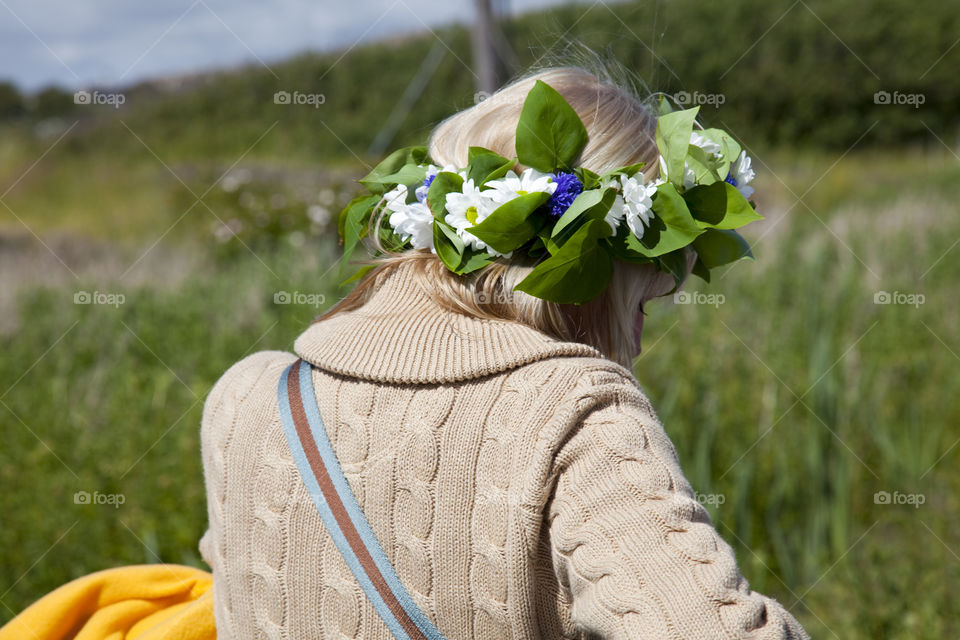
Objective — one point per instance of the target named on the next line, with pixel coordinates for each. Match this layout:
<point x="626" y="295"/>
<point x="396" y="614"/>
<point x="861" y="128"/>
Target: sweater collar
<point x="402" y="336"/>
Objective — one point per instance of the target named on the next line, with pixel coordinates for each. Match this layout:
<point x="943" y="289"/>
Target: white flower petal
<point x="698" y="140"/>
<point x="638" y="203"/>
<point x="742" y="173"/>
<point x="616" y="213"/>
<point x="414" y="223"/>
<point x="396" y="198"/>
<point x="511" y="185"/>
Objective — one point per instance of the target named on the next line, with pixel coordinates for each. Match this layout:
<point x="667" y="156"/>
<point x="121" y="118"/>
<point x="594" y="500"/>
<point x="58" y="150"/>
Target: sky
<point x="118" y="42"/>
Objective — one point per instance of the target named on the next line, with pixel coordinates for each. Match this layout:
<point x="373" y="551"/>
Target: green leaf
<point x="356" y="207"/>
<point x="548" y="243"/>
<point x="673" y="139"/>
<point x="484" y="165"/>
<point x="362" y="271"/>
<point x="390" y="240"/>
<point x="701" y="270"/>
<point x="704" y="165"/>
<point x="476" y="260"/>
<point x="409" y="174"/>
<point x="579" y="271"/>
<point x="375" y="180"/>
<point x="550" y="135"/>
<point x="717" y="247"/>
<point x="729" y="149"/>
<point x="353" y="223"/>
<point x="510" y="225"/>
<point x="622" y="246"/>
<point x="448" y="244"/>
<point x="593" y="204"/>
<point x="629" y="171"/>
<point x="589" y="179"/>
<point x="663" y="105"/>
<point x="651" y="236"/>
<point x="538" y="247"/>
<point x="445" y="182"/>
<point x="720" y="205"/>
<point x="679" y="227"/>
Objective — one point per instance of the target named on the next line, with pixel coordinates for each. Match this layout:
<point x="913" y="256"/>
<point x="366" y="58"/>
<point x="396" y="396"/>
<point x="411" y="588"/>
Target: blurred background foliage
<point x="796" y="399"/>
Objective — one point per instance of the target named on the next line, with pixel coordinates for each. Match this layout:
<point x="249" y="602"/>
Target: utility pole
<point x="486" y="62"/>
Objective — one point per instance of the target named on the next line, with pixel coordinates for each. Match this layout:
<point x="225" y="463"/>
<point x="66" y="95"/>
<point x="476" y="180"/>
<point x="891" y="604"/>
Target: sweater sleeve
<point x="637" y="552"/>
<point x="221" y="411"/>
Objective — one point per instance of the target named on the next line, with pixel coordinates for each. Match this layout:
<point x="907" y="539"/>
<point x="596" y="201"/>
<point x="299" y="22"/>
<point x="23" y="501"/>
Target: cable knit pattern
<point x="522" y="487"/>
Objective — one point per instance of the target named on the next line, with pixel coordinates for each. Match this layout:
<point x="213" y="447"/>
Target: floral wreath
<point x="573" y="221"/>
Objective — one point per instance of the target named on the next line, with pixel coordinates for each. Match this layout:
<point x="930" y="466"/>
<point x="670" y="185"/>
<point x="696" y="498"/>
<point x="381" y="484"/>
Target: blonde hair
<point x="621" y="130"/>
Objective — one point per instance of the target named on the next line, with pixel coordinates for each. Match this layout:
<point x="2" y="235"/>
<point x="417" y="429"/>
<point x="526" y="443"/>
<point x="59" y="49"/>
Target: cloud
<point x="116" y="42"/>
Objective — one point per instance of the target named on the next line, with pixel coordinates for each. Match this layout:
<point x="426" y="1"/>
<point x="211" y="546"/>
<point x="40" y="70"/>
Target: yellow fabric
<point x="138" y="602"/>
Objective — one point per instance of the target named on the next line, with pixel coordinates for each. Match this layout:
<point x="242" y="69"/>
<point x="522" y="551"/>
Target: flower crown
<point x="573" y="221"/>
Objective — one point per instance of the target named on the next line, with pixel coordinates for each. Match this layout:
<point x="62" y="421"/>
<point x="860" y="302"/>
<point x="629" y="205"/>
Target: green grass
<point x="798" y="398"/>
<point x="114" y="406"/>
<point x="108" y="399"/>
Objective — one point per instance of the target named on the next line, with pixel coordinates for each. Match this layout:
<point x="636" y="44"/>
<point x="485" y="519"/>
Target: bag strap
<point x="341" y="514"/>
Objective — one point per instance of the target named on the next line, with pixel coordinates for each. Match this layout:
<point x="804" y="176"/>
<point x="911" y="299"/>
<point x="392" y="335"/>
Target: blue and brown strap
<point x="339" y="509"/>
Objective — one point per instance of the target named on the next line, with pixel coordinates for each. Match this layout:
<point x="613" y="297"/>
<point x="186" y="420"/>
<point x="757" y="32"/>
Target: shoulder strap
<point x="339" y="509"/>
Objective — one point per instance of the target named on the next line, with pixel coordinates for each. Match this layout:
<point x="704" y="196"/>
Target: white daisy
<point x="469" y="208"/>
<point x="512" y="185"/>
<point x="741" y="173"/>
<point x="414" y="222"/>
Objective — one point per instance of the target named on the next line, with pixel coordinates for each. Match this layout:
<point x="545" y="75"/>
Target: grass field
<point x="792" y="397"/>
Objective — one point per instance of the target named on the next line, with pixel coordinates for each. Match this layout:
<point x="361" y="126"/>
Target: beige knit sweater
<point x="521" y="486"/>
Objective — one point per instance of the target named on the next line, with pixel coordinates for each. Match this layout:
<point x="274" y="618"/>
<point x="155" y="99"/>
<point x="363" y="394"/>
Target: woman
<point x="513" y="472"/>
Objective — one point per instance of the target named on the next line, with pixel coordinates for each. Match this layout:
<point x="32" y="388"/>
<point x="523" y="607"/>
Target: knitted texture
<point x="522" y="487"/>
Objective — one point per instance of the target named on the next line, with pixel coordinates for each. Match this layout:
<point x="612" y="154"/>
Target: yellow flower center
<point x="471" y="215"/>
<point x="521" y="192"/>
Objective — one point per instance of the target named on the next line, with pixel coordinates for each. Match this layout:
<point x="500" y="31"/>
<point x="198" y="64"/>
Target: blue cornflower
<point x="568" y="188"/>
<point x="421" y="191"/>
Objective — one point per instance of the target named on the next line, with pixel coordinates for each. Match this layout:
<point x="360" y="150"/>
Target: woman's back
<point x="521" y="486"/>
